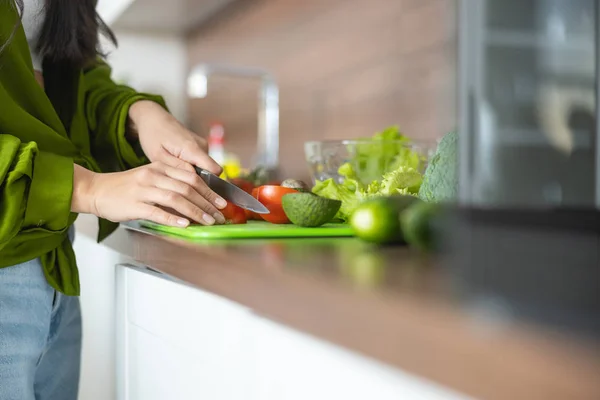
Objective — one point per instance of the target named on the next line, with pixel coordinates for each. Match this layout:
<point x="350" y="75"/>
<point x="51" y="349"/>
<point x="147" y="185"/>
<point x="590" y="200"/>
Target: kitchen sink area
<point x="430" y="178"/>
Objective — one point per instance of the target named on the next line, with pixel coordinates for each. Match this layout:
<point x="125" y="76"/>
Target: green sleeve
<point x="106" y="110"/>
<point x="35" y="188"/>
<point x="107" y="113"/>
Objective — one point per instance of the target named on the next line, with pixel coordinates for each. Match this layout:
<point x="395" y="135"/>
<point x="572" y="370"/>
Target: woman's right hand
<point x="147" y="193"/>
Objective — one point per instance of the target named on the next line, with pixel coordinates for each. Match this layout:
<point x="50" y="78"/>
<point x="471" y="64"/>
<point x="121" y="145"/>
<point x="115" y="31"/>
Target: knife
<point x="231" y="193"/>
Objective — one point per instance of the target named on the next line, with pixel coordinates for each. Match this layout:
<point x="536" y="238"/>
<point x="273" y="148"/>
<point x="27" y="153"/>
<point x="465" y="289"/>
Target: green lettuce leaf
<point x="404" y="178"/>
<point x="405" y="181"/>
<point x="392" y="169"/>
<point x="332" y="190"/>
<point x="373" y="159"/>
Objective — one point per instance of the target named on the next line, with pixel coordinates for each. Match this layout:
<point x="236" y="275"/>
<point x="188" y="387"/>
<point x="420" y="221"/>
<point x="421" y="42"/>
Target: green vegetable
<point x="391" y="168"/>
<point x="295" y="184"/>
<point x="258" y="176"/>
<point x="440" y="182"/>
<point x="351" y="192"/>
<point x="378" y="220"/>
<point x="417" y="223"/>
<point x="306" y="209"/>
<point x="402" y="180"/>
<point x="373" y="159"/>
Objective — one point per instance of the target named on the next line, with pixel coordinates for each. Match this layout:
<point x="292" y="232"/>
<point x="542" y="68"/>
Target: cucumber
<point x="417" y="225"/>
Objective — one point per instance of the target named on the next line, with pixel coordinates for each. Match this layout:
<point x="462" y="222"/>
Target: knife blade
<point x="231" y="193"/>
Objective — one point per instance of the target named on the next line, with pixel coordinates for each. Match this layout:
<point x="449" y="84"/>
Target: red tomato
<point x="234" y="214"/>
<point x="243" y="184"/>
<point x="270" y="196"/>
<point x="251" y="215"/>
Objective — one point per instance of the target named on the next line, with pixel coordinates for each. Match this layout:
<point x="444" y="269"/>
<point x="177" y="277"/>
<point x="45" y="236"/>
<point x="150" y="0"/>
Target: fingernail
<point x="221" y="203"/>
<point x="183" y="222"/>
<point x="219" y="217"/>
<point x="208" y="219"/>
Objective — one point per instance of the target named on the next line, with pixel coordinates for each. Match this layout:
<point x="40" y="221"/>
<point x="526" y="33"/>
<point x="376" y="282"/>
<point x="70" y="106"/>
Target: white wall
<point x="149" y="62"/>
<point x="110" y="10"/>
<point x="153" y="63"/>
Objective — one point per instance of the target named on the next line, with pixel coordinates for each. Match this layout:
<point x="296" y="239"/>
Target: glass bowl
<point x="369" y="158"/>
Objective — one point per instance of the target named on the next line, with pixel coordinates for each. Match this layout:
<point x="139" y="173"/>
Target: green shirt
<point x="80" y="117"/>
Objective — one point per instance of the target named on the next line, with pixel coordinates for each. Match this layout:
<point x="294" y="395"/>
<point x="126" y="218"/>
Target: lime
<point x="378" y="220"/>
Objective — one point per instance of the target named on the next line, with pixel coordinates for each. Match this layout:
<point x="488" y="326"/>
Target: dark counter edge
<point x="424" y="338"/>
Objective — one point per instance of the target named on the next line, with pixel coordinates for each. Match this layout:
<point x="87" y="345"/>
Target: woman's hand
<point x="147" y="193"/>
<point x="165" y="139"/>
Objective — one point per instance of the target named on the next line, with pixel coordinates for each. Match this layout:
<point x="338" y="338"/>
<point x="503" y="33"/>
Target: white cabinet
<point x="162" y="370"/>
<point x="295" y="366"/>
<point x="97" y="277"/>
<point x="177" y="342"/>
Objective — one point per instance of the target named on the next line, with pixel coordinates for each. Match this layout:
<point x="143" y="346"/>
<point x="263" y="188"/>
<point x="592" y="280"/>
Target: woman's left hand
<point x="166" y="140"/>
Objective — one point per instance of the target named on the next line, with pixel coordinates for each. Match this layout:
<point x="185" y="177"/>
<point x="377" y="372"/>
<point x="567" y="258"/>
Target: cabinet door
<point x="182" y="343"/>
<point x="161" y="370"/>
<point x="179" y="342"/>
<point x="296" y="366"/>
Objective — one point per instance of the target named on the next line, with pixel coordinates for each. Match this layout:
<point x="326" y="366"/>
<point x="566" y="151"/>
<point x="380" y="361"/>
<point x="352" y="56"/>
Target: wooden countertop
<point x="391" y="304"/>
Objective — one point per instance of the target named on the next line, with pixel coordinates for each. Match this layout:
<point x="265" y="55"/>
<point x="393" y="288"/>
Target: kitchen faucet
<point x="268" y="110"/>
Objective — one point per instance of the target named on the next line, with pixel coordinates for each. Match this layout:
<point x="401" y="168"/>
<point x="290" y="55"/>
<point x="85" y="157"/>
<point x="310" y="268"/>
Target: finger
<point x="159" y="216"/>
<point x="202" y="143"/>
<point x="193" y="180"/>
<point x="193" y="154"/>
<point x="175" y="201"/>
<point x="171" y="211"/>
<point x="172" y="161"/>
<point x="185" y="200"/>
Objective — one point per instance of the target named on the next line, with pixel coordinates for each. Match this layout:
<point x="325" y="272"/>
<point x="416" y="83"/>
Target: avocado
<point x="295" y="184"/>
<point x="308" y="209"/>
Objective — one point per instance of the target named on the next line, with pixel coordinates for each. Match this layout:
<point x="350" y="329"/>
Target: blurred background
<point x="514" y="82"/>
<point x="344" y="68"/>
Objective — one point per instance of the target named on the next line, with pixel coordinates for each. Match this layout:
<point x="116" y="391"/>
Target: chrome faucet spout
<point x="268" y="109"/>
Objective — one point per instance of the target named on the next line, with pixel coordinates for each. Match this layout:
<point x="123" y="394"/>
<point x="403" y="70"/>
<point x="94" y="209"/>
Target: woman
<point x="65" y="131"/>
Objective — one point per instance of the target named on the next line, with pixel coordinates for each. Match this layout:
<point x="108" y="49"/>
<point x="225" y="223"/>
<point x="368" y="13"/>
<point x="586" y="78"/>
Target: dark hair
<point x="70" y="33"/>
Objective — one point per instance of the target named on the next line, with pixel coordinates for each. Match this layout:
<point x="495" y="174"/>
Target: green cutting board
<point x="252" y="230"/>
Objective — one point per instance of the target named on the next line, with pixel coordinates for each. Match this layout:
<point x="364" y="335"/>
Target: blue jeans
<point x="40" y="337"/>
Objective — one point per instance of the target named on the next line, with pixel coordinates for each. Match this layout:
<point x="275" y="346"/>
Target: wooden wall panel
<point x="346" y="68"/>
